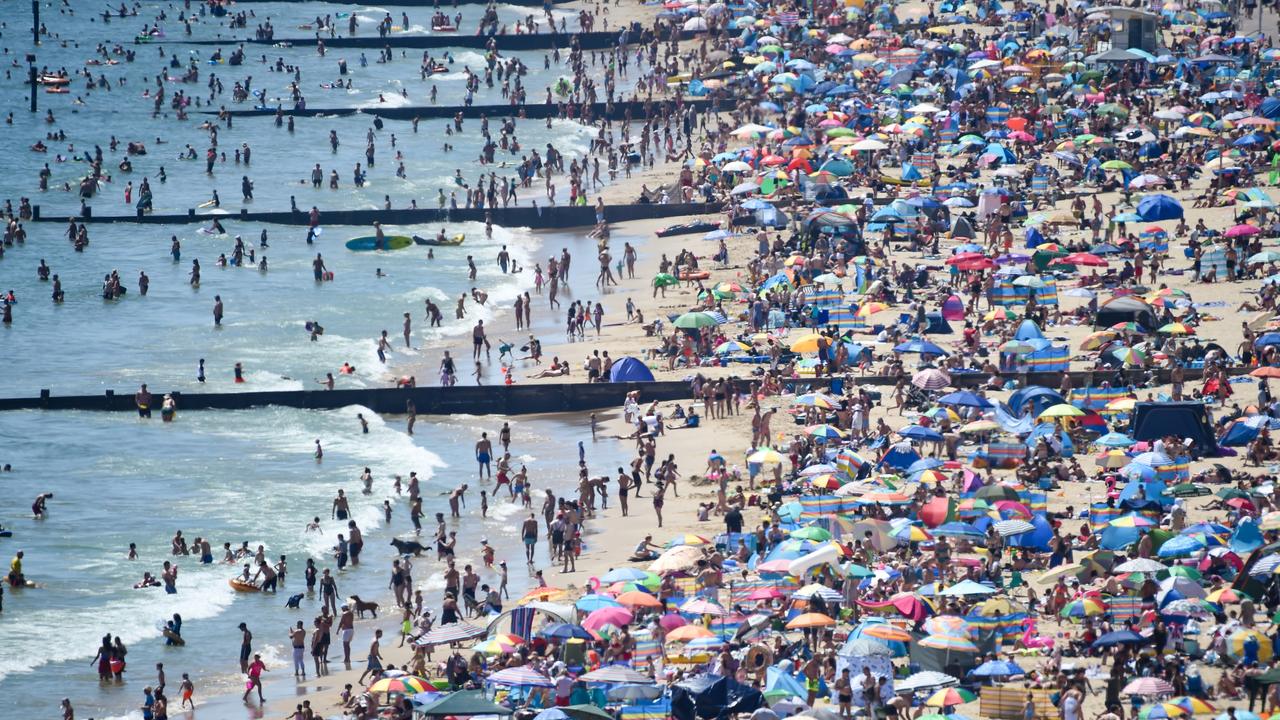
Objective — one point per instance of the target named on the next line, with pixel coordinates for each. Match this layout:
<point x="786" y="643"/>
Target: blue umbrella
<point x="565" y="631"/>
<point x="624" y="574"/>
<point x="1119" y="637"/>
<point x="1267" y="339"/>
<point x="1114" y="440"/>
<point x="958" y="529"/>
<point x="923" y="464"/>
<point x="965" y="398"/>
<point x="1159" y="207"/>
<point x="1180" y="545"/>
<point x="916" y="432"/>
<point x="1250" y="139"/>
<point x="591" y="603"/>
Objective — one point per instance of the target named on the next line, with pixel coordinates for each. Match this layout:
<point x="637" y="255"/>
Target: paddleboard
<point x="393" y="242"/>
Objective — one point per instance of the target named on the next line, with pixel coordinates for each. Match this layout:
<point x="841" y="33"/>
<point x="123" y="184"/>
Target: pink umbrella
<point x="766" y="593"/>
<point x="774" y="566"/>
<point x="834" y="48"/>
<point x="671" y="621"/>
<point x="701" y="606"/>
<point x="1242" y="230"/>
<point x="616" y="616"/>
<point x="1022" y="136"/>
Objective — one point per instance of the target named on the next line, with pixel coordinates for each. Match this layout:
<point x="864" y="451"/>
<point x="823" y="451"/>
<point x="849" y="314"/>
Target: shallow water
<point x="231" y="476"/>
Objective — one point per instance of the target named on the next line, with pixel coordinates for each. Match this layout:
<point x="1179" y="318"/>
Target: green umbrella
<point x="1189" y="490"/>
<point x="694" y="320"/>
<point x="1115" y="109"/>
<point x="840" y="132"/>
<point x="1182" y="571"/>
<point x="665" y="280"/>
<point x="1116" y="165"/>
<point x="811" y="532"/>
<point x="586" y="711"/>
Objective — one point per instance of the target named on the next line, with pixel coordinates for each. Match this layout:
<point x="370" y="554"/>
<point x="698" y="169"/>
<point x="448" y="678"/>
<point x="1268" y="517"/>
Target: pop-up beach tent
<point x="630" y="369"/>
<point x="1184" y="420"/>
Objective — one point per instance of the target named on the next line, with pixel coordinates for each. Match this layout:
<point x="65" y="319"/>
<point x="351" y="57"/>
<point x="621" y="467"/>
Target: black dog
<point x="362" y="607"/>
<point x="408" y="547"/>
<point x="293" y="601"/>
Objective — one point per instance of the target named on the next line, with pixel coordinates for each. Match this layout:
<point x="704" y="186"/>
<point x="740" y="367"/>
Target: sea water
<point x="233" y="476"/>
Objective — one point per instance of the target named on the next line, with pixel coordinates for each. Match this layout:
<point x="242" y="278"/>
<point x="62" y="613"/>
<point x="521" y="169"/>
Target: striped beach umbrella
<point x="520" y="676"/>
<point x="947" y="697"/>
<point x="451" y="633"/>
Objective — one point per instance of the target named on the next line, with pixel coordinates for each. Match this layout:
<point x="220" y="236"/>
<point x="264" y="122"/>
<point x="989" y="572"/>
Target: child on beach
<point x="187" y="688"/>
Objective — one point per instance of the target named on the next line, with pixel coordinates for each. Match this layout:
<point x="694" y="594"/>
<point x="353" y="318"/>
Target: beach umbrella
<point x="931" y="379"/>
<point x="639" y="598"/>
<point x="520" y="676"/>
<point x="1084" y="607"/>
<point x="1176" y="329"/>
<point x="1148" y="686"/>
<point x="645" y="690"/>
<point x="695" y="320"/>
<point x="1061" y="410"/>
<point x="950" y="643"/>
<point x="810" y="620"/>
<point x="766" y="456"/>
<point x="618" y="617"/>
<point x="885" y="631"/>
<point x="998" y="668"/>
<point x="965" y="398"/>
<point x="1238" y="641"/>
<point x="948" y="697"/>
<point x="593" y="602"/>
<point x="685" y="633"/>
<point x="566" y="631"/>
<point x="677" y="559"/>
<point x="615" y="674"/>
<point x="924" y="680"/>
<point x="702" y="606"/>
<point x="403" y="685"/>
<point x="1139" y="565"/>
<point x="1119" y="637"/>
<point x="451" y="633"/>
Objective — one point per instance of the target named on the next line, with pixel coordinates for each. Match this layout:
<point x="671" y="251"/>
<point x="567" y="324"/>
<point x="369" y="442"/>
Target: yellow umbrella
<point x="766" y="456"/>
<point x="806" y="343"/>
<point x="1061" y="410"/>
<point x="1124" y="404"/>
<point x="980" y="426"/>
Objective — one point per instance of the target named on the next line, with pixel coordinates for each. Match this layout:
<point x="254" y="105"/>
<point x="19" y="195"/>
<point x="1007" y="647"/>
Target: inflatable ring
<point x="758" y="658"/>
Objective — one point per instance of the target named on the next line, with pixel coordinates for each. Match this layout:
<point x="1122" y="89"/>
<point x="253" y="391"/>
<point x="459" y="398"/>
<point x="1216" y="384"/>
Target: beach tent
<point x="630" y="369"/>
<point x="1125" y="308"/>
<point x="463" y="703"/>
<point x="1028" y="330"/>
<point x="953" y="308"/>
<point x="1187" y="420"/>
<point x="712" y="696"/>
<point x="1213" y="257"/>
<point x="936" y="324"/>
<point x="1240" y="433"/>
<point x="1037" y="539"/>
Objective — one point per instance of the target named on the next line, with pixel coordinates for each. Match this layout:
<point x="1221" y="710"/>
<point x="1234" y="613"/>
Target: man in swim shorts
<point x="484" y="452"/>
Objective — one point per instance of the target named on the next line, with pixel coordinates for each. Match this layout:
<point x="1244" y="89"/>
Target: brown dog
<point x="361" y="607"/>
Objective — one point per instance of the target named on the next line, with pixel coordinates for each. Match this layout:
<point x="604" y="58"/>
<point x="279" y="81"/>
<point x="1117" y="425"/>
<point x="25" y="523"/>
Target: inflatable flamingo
<point x="1033" y="641"/>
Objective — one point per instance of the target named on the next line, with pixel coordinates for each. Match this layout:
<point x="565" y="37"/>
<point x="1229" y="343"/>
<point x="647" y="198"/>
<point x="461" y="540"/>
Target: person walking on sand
<point x="298" y="639"/>
<point x="255" y="670"/>
<point x="658" y="491"/>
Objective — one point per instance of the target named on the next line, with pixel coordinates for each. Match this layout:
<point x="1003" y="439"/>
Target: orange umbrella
<point x="542" y="593"/>
<point x="885" y="631"/>
<point x="811" y="620"/>
<point x="693" y="632"/>
<point x="636" y="598"/>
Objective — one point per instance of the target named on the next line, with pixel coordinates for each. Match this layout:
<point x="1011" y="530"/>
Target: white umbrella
<point x="736" y="166"/>
<point x="869" y="144"/>
<point x="925" y="680"/>
<point x="1140" y="565"/>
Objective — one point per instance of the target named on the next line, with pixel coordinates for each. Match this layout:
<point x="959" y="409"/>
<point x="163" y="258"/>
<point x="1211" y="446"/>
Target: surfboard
<point x="447" y="242"/>
<point x="393" y="242"/>
<point x="205" y="204"/>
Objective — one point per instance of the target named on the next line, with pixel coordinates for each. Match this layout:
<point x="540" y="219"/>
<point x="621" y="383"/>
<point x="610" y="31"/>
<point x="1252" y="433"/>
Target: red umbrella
<point x="1083" y="258"/>
<point x="964" y="257"/>
<point x="982" y="263"/>
<point x="1242" y="503"/>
